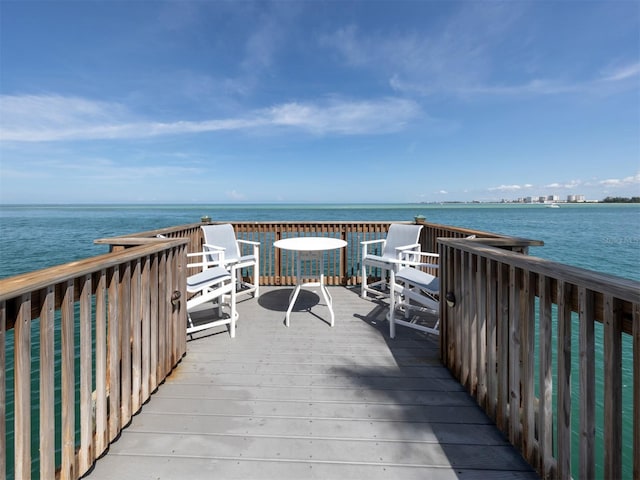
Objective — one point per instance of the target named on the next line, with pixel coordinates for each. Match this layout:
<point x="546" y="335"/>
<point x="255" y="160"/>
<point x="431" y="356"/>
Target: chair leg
<point x="232" y="307"/>
<point x="363" y="285"/>
<point x="392" y="307"/>
<point x="256" y="280"/>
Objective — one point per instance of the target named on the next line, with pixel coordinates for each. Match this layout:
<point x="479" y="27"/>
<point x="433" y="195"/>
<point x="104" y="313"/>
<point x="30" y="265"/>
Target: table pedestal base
<point x="319" y="257"/>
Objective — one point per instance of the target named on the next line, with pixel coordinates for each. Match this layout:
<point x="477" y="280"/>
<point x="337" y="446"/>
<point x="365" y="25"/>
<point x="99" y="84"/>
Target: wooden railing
<point x="343" y="266"/>
<point x="509" y="314"/>
<point x="121" y="317"/>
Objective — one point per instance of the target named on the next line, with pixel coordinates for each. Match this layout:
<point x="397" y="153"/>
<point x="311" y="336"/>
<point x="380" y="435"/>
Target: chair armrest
<point x="407" y="247"/>
<point x="400" y="250"/>
<point x="207" y="263"/>
<point x="255" y="246"/>
<point x="419" y="259"/>
<point x="213" y="247"/>
<point x="369" y="242"/>
<point x="249" y="242"/>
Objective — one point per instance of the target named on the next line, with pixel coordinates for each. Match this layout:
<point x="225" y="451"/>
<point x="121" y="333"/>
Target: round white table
<point x="310" y="248"/>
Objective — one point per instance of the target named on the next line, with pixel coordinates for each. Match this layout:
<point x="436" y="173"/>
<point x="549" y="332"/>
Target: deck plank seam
<point x="323" y="418"/>
<point x="319" y="462"/>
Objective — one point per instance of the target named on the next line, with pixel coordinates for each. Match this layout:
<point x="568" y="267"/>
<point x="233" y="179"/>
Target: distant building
<point x="576" y="198"/>
<point x="553" y="198"/>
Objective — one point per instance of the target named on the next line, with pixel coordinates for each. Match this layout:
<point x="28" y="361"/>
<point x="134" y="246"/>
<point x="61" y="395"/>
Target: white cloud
<point x="622" y="182"/>
<point x="55" y="118"/>
<point x="236" y="196"/>
<point x="458" y="57"/>
<point x="569" y="185"/>
<point x="351" y="117"/>
<point x="510" y="188"/>
<point x="622" y="73"/>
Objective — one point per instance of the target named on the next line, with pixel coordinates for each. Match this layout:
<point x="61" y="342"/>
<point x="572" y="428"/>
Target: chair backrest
<point x="222" y="236"/>
<point x="400" y="235"/>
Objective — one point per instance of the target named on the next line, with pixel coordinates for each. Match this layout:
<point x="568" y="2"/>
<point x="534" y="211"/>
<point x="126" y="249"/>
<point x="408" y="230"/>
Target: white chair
<point x="399" y="238"/>
<point x="222" y="248"/>
<point x="212" y="285"/>
<point x="411" y="286"/>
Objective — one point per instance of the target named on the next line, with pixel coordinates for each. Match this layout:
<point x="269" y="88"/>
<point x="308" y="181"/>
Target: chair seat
<point x="205" y="278"/>
<point x="248" y="258"/>
<point x="410" y="287"/>
<point x="378" y="261"/>
<point x="420" y="279"/>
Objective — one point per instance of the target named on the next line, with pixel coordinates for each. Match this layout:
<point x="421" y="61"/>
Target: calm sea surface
<point x="600" y="237"/>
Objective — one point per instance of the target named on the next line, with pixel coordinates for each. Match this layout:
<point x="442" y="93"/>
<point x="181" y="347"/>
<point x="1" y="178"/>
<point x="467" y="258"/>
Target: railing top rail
<point x="497" y="238"/>
<point x="149" y="234"/>
<point x="28" y="282"/>
<point x="622" y="288"/>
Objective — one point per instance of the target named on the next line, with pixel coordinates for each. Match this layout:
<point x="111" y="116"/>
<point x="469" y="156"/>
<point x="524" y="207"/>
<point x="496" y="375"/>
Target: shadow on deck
<point x="311" y="401"/>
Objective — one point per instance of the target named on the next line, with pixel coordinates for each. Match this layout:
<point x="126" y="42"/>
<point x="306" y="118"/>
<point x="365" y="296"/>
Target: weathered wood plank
<point x="564" y="381"/>
<point x="612" y="389"/>
<point x="636" y="391"/>
<point x="136" y="336"/>
<point x="87" y="449"/>
<point x="22" y="389"/>
<point x="47" y="388"/>
<point x="113" y="380"/>
<point x="311" y="401"/>
<point x="3" y="389"/>
<point x="545" y="403"/>
<point x="68" y="470"/>
<point x="587" y="385"/>
<point x="145" y="314"/>
<point x="101" y="433"/>
<point x="515" y="349"/>
<point x="125" y="345"/>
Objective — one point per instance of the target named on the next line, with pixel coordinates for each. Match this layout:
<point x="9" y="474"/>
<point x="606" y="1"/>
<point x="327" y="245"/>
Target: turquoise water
<point x="601" y="237"/>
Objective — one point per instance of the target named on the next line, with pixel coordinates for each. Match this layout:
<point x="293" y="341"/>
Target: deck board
<point x="311" y="401"/>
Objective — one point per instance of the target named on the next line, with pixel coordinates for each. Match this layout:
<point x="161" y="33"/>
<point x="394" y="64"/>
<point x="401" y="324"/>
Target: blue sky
<point x="312" y="101"/>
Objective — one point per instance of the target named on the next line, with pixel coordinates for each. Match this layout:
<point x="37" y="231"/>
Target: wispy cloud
<point x="454" y="55"/>
<point x="622" y="73"/>
<point x="567" y="185"/>
<point x="510" y="188"/>
<point x="622" y="182"/>
<point x="573" y="185"/>
<point x="236" y="196"/>
<point x="463" y="57"/>
<point x="56" y="118"/>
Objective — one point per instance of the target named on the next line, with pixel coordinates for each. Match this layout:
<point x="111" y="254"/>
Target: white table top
<point x="310" y="244"/>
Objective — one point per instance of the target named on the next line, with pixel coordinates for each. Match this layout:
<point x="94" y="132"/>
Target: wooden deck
<point x="311" y="401"/>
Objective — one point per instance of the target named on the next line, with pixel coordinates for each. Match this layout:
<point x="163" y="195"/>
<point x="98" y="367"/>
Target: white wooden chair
<point x="222" y="248"/>
<point x="212" y="285"/>
<point x="414" y="287"/>
<point x="399" y="238"/>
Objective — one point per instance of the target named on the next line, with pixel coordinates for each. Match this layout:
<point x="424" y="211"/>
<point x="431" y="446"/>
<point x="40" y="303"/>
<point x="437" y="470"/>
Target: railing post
<point x="612" y="388"/>
<point x="22" y="389"/>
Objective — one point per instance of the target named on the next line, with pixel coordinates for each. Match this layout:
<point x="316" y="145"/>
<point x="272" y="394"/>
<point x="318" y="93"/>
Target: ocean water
<point x="600" y="237"/>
